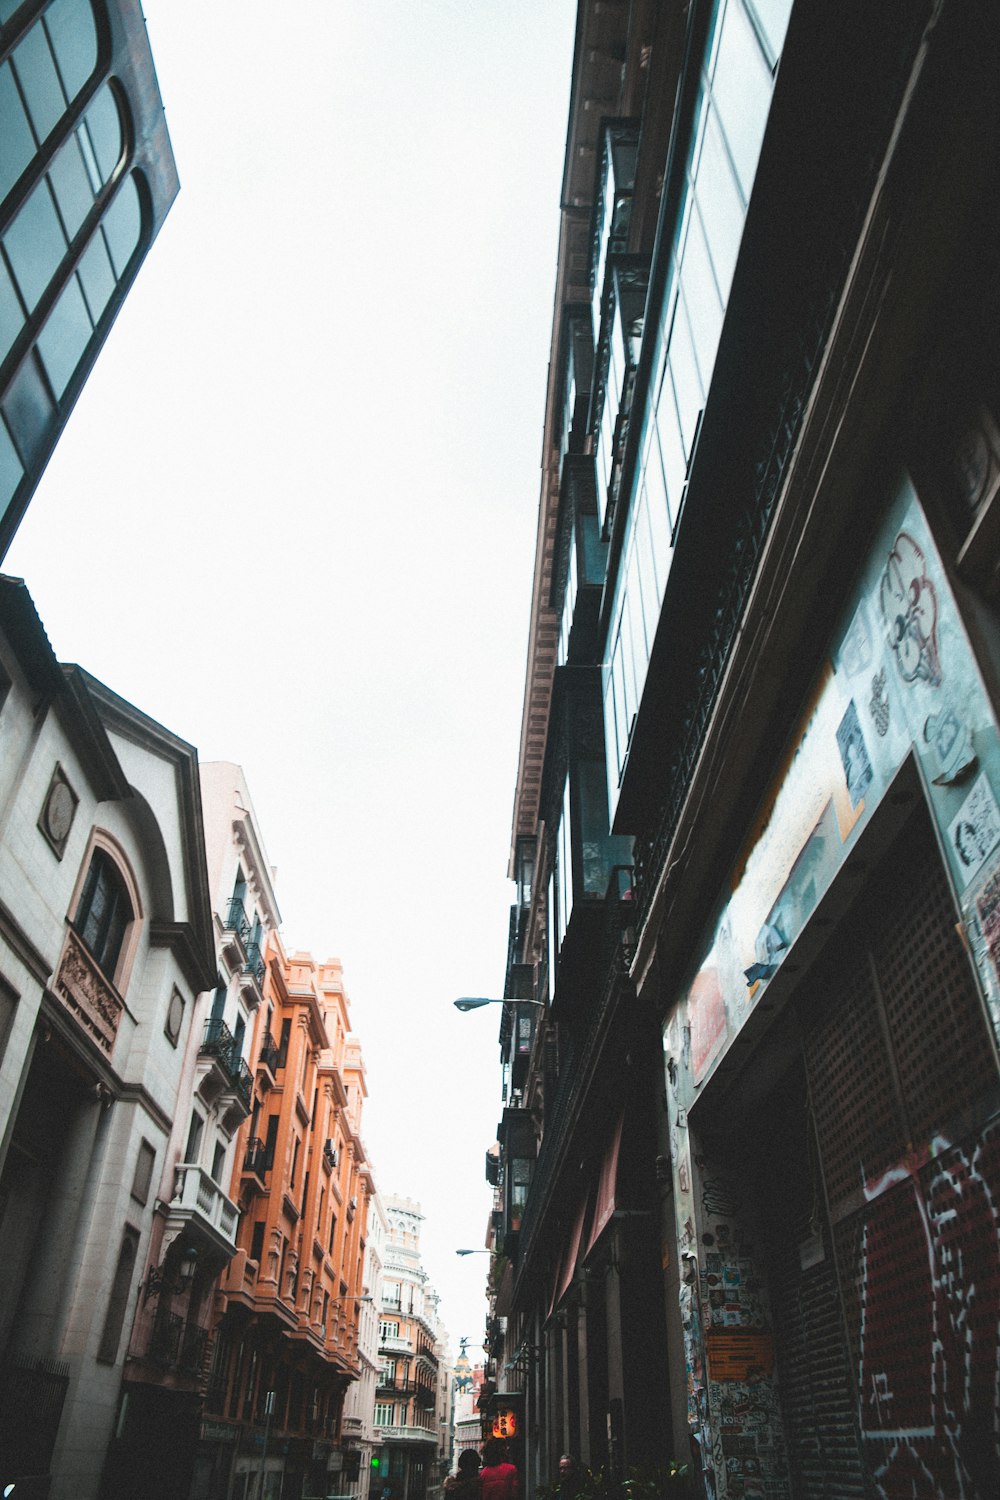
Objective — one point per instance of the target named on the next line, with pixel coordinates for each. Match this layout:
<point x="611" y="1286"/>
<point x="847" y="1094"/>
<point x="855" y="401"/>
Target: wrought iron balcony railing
<point x="219" y="1042"/>
<point x="177" y="1344"/>
<point x="237" y="920"/>
<point x="255" y="962"/>
<point x="268" y="1057"/>
<point x="255" y="1156"/>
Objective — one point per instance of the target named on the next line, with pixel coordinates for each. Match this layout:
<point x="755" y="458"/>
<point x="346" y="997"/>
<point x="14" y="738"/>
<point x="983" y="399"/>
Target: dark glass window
<point x="270" y="1142"/>
<point x="194" y="1137"/>
<point x="71" y="184"/>
<point x="257" y="1241"/>
<point x="65" y="336"/>
<point x="36" y="69"/>
<point x="104" y="912"/>
<point x="74" y="41"/>
<point x="18" y="147"/>
<point x="35" y="244"/>
<point x="11" y="317"/>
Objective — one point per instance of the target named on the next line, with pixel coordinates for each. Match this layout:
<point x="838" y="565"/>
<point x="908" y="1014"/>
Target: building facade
<point x="412" y="1365"/>
<point x="105" y="944"/>
<point x="157" y="1434"/>
<point x="86" y="179"/>
<point x="748" y="1169"/>
<point x="360" y="1440"/>
<point x="285" y="1344"/>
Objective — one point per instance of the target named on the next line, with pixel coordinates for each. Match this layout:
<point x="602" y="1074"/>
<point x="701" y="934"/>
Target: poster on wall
<point x="975" y="831"/>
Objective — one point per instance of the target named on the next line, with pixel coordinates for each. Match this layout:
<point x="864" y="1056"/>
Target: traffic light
<point x="376" y="1461"/>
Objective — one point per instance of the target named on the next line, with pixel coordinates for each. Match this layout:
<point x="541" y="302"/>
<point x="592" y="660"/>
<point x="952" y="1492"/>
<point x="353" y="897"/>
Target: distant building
<point x="285" y="1346"/>
<point x="105" y="944"/>
<point x="86" y="178"/>
<point x="468" y="1421"/>
<point x="156" y="1439"/>
<point x="413" y="1379"/>
<point x="360" y="1440"/>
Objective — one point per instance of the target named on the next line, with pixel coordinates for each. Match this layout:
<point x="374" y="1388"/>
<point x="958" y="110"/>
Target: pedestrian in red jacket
<point x="498" y="1478"/>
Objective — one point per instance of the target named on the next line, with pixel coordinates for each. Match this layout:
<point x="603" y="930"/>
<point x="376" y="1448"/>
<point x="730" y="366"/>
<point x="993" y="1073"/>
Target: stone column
<point x="50" y="1284"/>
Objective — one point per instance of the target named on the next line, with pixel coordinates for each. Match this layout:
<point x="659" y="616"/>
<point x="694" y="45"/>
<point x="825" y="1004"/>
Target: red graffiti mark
<point x="930" y="1324"/>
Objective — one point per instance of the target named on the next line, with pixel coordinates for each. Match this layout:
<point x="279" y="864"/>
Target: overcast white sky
<point x="293" y="514"/>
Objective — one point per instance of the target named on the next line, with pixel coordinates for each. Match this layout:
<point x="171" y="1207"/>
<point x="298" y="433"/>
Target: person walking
<point x="464" y="1484"/>
<point x="499" y="1479"/>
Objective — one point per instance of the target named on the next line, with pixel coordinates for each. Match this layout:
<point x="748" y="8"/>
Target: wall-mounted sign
<point x="739" y="1353"/>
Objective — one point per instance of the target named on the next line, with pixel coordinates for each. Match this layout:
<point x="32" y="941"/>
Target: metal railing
<point x="255" y="1156"/>
<point x="236" y="919"/>
<point x="219" y="1042"/>
<point x="255" y="962"/>
<point x="268" y="1055"/>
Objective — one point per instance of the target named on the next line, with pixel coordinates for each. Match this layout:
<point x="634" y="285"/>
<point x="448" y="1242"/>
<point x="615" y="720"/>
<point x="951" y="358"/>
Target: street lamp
<point x="473" y="1252"/>
<point x="473" y="1002"/>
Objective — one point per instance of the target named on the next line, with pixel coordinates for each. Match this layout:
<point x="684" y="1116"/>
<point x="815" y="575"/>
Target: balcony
<point x="177" y="1345"/>
<point x="395" y="1345"/>
<point x="252" y="976"/>
<point x="200" y="1203"/>
<point x="221" y="1070"/>
<point x="404" y="1434"/>
<point x="235" y="933"/>
<point x="90" y="998"/>
<point x="255" y="1160"/>
<point x="612" y="208"/>
<point x="268" y="1061"/>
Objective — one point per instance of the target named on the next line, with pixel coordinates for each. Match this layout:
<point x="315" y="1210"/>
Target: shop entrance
<point x="877" y="1159"/>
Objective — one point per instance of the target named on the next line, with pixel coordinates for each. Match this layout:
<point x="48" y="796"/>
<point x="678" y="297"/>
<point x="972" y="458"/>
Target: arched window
<point x="104" y="912"/>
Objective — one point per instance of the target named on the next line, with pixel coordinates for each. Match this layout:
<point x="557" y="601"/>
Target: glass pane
<point x="71" y="186"/>
<point x="10" y="467"/>
<point x="687" y="384"/>
<point x="640" y="647"/>
<point x="29" y="411"/>
<point x="16" y="145"/>
<point x="8" y="7"/>
<point x="122" y="224"/>
<point x="96" y="275"/>
<point x="74" y="41"/>
<point x="612" y="751"/>
<point x="721" y="208"/>
<point x="660" y="526"/>
<point x="742" y="90"/>
<point x="672" y="449"/>
<point x="65" y="336"/>
<point x="621" y="709"/>
<point x="593" y="551"/>
<point x="104" y="124"/>
<point x="35" y="244"/>
<point x="647" y="573"/>
<point x="772" y="17"/>
<point x="40" y="82"/>
<point x="703" y="305"/>
<point x="11" y="316"/>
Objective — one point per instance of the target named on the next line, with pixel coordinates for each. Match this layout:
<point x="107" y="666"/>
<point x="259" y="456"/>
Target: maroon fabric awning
<point x="604" y="1205"/>
<point x="567" y="1265"/>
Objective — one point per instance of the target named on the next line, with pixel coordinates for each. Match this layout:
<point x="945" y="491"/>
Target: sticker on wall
<point x="952" y="744"/>
<point x="976" y="829"/>
<point x="854" y="755"/>
<point x="909" y="609"/>
<point x="987" y="906"/>
<point x="878" y="704"/>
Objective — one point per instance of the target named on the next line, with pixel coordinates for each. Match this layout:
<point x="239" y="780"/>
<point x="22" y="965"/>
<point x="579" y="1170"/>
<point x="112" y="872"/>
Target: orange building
<point x="286" y="1332"/>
